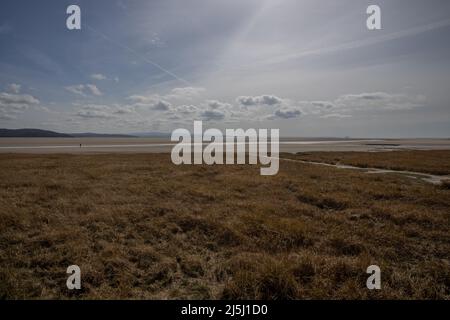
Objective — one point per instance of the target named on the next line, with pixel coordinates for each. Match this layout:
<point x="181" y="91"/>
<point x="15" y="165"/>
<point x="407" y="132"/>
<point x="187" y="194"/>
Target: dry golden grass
<point x="141" y="227"/>
<point x="430" y="161"/>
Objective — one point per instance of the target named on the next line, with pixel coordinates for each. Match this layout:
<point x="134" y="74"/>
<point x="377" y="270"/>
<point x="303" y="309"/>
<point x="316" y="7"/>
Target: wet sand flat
<point x="161" y="145"/>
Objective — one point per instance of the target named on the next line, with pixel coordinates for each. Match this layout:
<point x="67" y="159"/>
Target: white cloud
<point x="315" y="107"/>
<point x="188" y="91"/>
<point x="124" y="110"/>
<point x="323" y="104"/>
<point x="344" y="105"/>
<point x="157" y="107"/>
<point x="339" y="108"/>
<point x="98" y="76"/>
<point x="95" y="111"/>
<point x="168" y="102"/>
<point x="161" y="106"/>
<point x="215" y="104"/>
<point x="212" y="115"/>
<point x="92" y="111"/>
<point x="93" y="89"/>
<point x="19" y="100"/>
<point x="84" y="90"/>
<point x="184" y="93"/>
<point x="156" y="41"/>
<point x="186" y="109"/>
<point x="141" y="99"/>
<point x="12" y="104"/>
<point x="77" y="89"/>
<point x="101" y="77"/>
<point x="43" y="108"/>
<point x="287" y="113"/>
<point x="93" y="114"/>
<point x="14" y="88"/>
<point x="153" y="102"/>
<point x="379" y="101"/>
<point x="336" y="116"/>
<point x="268" y="100"/>
<point x="5" y="116"/>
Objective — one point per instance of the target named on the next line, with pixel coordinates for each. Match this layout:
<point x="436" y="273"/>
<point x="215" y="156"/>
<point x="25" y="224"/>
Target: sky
<point x="310" y="68"/>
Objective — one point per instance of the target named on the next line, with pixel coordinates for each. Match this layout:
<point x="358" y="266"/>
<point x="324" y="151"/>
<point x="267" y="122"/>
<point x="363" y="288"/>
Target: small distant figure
<point x="80" y="145"/>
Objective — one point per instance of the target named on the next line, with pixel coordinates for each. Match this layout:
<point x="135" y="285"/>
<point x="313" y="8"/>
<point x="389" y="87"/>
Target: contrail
<point x="145" y="59"/>
<point x="367" y="42"/>
<point x="349" y="45"/>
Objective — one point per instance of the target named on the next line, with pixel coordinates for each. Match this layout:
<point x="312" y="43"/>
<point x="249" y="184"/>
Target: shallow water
<point x="431" y="178"/>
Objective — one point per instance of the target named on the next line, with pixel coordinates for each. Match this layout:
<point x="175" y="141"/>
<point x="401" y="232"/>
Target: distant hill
<point x="31" y="133"/>
<point x="152" y="134"/>
<point x="38" y="133"/>
<point x="100" y="135"/>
